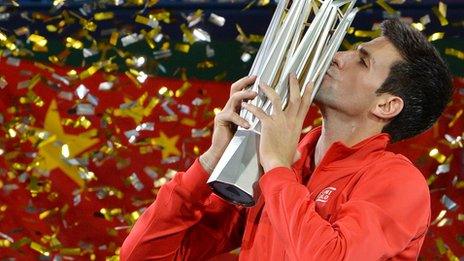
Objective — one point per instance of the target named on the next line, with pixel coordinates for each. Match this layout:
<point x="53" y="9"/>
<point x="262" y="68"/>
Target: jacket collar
<point x="340" y="155"/>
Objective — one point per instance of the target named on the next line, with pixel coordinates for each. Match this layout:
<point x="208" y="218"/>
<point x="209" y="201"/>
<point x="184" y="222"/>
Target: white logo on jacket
<point x="325" y="194"/>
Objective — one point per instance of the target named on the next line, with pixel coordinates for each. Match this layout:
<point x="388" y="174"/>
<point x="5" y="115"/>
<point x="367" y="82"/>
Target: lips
<point x="330" y="72"/>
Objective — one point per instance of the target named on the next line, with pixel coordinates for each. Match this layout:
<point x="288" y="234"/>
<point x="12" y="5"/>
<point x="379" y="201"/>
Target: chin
<point x="318" y="99"/>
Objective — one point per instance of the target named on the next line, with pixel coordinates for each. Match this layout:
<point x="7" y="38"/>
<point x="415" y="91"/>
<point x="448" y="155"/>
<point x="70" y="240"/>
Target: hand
<point x="226" y="121"/>
<point x="280" y="132"/>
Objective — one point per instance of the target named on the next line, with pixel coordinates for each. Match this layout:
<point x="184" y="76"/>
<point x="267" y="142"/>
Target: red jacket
<point x="360" y="203"/>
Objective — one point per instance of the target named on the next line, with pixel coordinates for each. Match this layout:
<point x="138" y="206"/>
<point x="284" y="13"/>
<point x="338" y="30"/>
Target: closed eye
<point x="361" y="60"/>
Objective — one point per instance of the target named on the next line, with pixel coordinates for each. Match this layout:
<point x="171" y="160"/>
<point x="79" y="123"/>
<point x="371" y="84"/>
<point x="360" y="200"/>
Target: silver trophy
<point x="302" y="38"/>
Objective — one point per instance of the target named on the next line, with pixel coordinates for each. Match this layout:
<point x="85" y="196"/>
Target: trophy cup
<point x="302" y="38"/>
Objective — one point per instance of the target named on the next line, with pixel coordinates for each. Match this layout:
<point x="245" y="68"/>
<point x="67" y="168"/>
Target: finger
<point x="239" y="121"/>
<point x="272" y="96"/>
<point x="241" y="84"/>
<point x="295" y="99"/>
<point x="306" y="101"/>
<point x="258" y="112"/>
<point x="238" y="97"/>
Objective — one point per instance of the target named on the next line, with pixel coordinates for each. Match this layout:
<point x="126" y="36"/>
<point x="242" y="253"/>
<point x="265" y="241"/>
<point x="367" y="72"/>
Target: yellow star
<point x="50" y="154"/>
<point x="167" y="144"/>
<point x="137" y="111"/>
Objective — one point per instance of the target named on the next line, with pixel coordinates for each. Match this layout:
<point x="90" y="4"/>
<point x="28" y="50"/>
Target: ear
<point x="387" y="106"/>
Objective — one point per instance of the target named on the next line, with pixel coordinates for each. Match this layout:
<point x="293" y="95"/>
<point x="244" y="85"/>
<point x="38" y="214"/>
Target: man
<point x="338" y="195"/>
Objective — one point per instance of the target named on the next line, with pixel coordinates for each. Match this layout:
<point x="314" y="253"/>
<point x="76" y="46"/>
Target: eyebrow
<point x="365" y="53"/>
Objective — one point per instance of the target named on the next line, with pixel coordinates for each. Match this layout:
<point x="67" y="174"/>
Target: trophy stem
<point x="238" y="171"/>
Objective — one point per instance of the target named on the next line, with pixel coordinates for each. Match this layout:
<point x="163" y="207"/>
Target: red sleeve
<point x="186" y="222"/>
<point x="387" y="210"/>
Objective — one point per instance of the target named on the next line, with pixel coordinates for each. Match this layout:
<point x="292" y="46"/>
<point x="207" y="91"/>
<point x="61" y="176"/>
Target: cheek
<point x="367" y="84"/>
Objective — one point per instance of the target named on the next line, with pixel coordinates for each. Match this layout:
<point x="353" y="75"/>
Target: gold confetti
<point x="454" y="52"/>
<point x="256" y="38"/>
<point x="181" y="91"/>
<point x="436" y="36"/>
<point x="185" y="48"/>
<point x="418" y="26"/>
<point x="188" y="122"/>
<point x="371" y="34"/>
<point x="435" y="153"/>
<point x="455" y="118"/>
<point x="71" y="251"/>
<point x="188" y="35"/>
<point x="386" y="6"/>
<point x="164" y="16"/>
<point x="440" y="12"/>
<point x="89" y="72"/>
<point x="150" y="21"/>
<point x="431" y="179"/>
<point x="133" y="78"/>
<point x="103" y="16"/>
<point x="114" y="38"/>
<point x="205" y="65"/>
<point x="108" y="214"/>
<point x="39" y="248"/>
<point x="73" y="43"/>
<point x="3" y="82"/>
<point x="88" y="25"/>
<point x="38" y="39"/>
<point x="51" y="28"/>
<point x="44" y="67"/>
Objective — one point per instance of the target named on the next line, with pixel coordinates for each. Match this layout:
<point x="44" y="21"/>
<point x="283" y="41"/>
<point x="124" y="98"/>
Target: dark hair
<point x="422" y="79"/>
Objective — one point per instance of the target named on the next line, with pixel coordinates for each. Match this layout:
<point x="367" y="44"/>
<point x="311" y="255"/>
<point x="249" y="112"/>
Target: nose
<point x="339" y="59"/>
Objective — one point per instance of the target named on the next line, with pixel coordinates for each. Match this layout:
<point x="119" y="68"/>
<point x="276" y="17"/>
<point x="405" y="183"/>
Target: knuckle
<point x="228" y="114"/>
<point x="235" y="96"/>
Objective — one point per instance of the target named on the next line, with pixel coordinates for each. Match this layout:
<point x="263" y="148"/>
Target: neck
<point x="347" y="130"/>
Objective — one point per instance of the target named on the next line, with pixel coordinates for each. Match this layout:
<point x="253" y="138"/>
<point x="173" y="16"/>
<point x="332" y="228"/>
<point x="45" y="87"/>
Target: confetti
<point x="435" y="153"/>
<point x="38" y="39"/>
<point x="216" y="19"/>
<point x="386" y="6"/>
<point x="448" y="203"/>
<point x="85" y="109"/>
<point x="150" y="21"/>
<point x="3" y="82"/>
<point x="440" y="12"/>
<point x="105" y="86"/>
<point x="136" y="183"/>
<point x="81" y="91"/>
<point x="103" y="16"/>
<point x="162" y="54"/>
<point x="130" y="39"/>
<point x="454" y="52"/>
<point x="99" y="69"/>
<point x="436" y="36"/>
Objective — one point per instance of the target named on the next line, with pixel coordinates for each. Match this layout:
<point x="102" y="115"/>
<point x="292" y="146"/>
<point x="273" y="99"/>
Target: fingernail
<point x="244" y="104"/>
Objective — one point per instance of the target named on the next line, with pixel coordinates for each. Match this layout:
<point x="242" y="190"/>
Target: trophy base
<point x="232" y="193"/>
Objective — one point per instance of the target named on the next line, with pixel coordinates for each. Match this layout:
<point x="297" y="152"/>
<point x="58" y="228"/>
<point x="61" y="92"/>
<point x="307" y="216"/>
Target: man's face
<point x="351" y="81"/>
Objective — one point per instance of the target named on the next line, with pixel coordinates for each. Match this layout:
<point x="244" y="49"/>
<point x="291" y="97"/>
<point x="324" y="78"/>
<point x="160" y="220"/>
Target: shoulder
<point x="394" y="182"/>
<point x="391" y="168"/>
